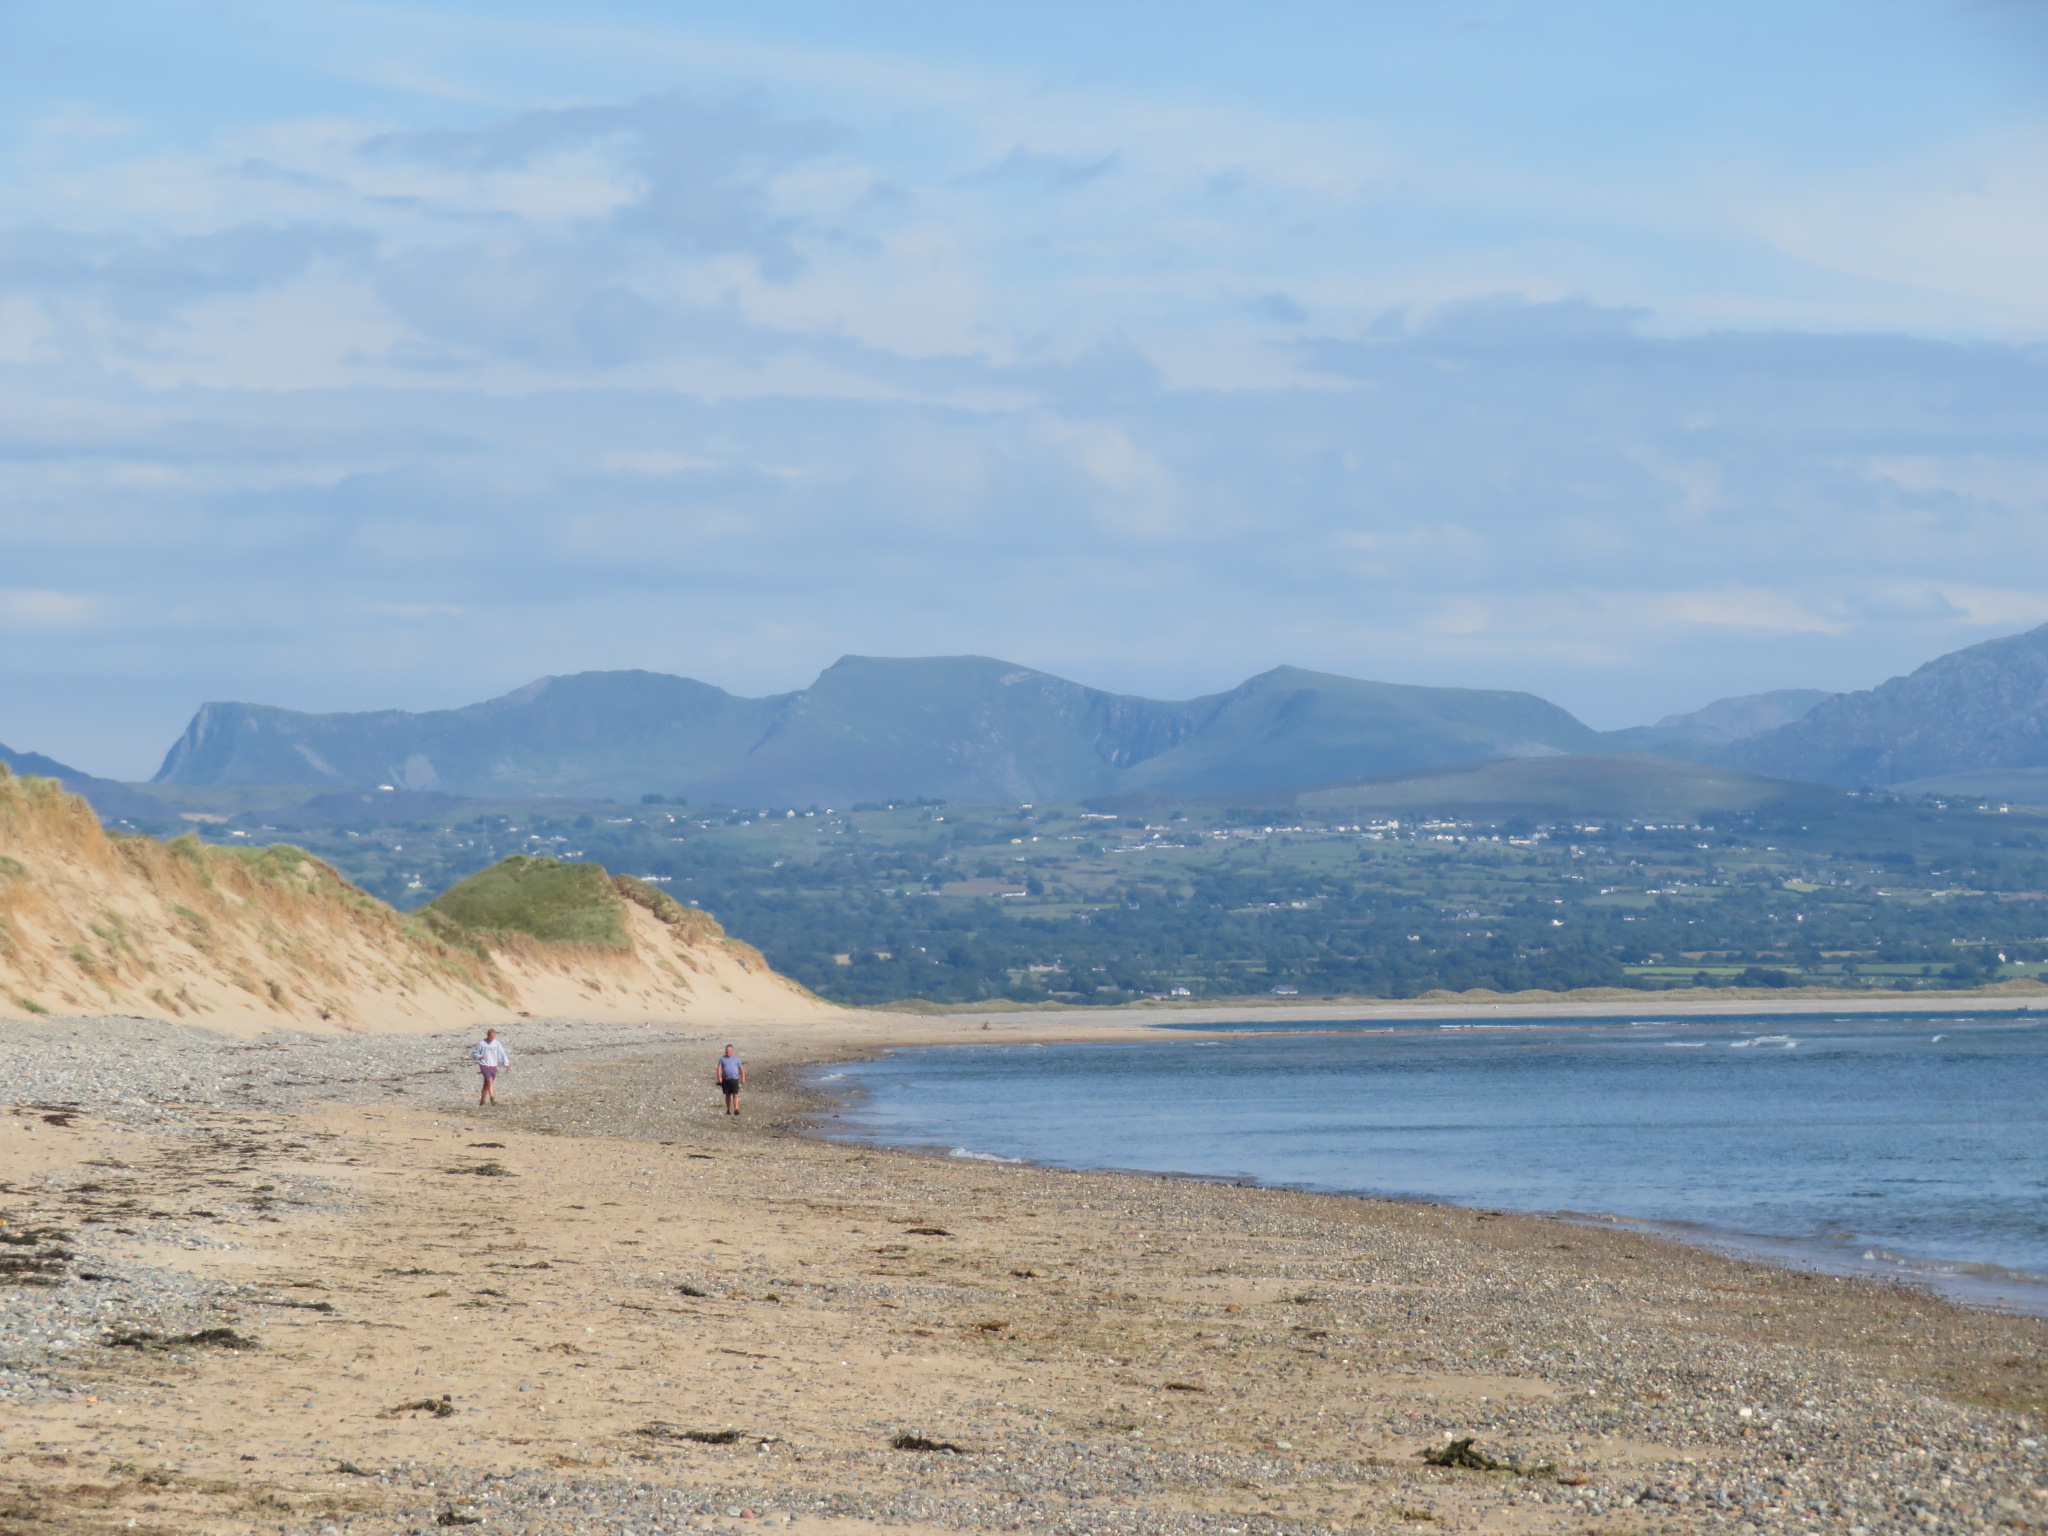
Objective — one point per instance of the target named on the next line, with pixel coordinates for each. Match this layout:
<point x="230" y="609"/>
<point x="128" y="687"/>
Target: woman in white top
<point x="491" y="1058"/>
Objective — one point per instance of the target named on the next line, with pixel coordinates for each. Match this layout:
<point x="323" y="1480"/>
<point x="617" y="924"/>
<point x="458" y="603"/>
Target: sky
<point x="360" y="356"/>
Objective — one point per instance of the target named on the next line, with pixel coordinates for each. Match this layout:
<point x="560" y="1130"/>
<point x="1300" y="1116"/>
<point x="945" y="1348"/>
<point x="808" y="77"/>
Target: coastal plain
<point x="303" y="1284"/>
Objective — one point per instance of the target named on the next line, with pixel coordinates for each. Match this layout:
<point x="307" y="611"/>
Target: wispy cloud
<point x="1054" y="173"/>
<point x="28" y="610"/>
<point x="441" y="347"/>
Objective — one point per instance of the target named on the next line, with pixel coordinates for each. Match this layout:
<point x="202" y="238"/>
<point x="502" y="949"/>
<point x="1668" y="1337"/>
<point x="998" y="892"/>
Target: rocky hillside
<point x="967" y="729"/>
<point x="246" y="939"/>
<point x="1984" y="707"/>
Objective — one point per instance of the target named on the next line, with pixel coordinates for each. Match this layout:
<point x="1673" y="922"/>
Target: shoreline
<point x="1459" y="1007"/>
<point x="922" y="1025"/>
<point x="1130" y="1356"/>
<point x="1978" y="1287"/>
<point x="809" y="1045"/>
<point x="1965" y="1282"/>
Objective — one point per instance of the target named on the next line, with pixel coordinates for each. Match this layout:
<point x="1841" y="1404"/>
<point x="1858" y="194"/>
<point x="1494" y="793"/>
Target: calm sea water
<point x="1912" y="1145"/>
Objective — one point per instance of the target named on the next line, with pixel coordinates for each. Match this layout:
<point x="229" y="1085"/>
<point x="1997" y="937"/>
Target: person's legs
<point x="732" y="1097"/>
<point x="489" y="1095"/>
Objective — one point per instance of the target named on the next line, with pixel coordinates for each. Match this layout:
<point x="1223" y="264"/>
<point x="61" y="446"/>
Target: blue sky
<point x="356" y="356"/>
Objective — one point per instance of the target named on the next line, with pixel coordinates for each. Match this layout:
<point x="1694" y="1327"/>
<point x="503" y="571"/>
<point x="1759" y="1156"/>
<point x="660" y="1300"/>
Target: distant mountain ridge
<point x="1973" y="711"/>
<point x="112" y="799"/>
<point x="969" y="729"/>
<point x="1704" y="735"/>
<point x="1748" y="714"/>
<point x="974" y="729"/>
<point x="39" y="765"/>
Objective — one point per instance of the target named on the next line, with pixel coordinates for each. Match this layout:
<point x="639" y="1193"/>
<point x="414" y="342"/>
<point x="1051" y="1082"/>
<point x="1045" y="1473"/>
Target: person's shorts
<point x="490" y="1074"/>
<point x="729" y="1086"/>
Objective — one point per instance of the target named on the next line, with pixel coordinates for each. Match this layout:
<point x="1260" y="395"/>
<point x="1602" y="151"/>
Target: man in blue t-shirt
<point x="731" y="1074"/>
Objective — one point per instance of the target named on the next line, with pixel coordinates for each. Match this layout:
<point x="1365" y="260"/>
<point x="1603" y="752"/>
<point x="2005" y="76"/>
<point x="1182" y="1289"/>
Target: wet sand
<point x="605" y="1267"/>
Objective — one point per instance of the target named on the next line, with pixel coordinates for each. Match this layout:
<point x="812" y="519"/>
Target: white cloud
<point x="1961" y="229"/>
<point x="1633" y="617"/>
<point x="653" y="461"/>
<point x="1984" y="606"/>
<point x="31" y="610"/>
<point x="580" y="343"/>
<point x="419" y="610"/>
<point x="2017" y="480"/>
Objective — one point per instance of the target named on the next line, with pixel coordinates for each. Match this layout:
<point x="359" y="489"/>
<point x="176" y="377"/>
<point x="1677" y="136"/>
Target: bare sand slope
<point x="253" y="939"/>
<point x="686" y="967"/>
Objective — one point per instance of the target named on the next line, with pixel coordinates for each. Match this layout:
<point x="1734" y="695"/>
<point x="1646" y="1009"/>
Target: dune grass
<point x="554" y="902"/>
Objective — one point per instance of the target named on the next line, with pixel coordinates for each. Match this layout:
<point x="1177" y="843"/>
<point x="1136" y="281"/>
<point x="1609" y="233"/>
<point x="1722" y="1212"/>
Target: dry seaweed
<point x="204" y="1338"/>
<point x="440" y="1407"/>
<point x="920" y="1443"/>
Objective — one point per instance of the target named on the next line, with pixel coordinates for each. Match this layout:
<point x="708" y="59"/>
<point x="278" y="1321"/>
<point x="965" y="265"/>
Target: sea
<point x="1908" y="1146"/>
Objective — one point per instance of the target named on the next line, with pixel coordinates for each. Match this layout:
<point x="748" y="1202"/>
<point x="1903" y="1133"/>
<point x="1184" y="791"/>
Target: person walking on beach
<point x="491" y="1058"/>
<point x="732" y="1076"/>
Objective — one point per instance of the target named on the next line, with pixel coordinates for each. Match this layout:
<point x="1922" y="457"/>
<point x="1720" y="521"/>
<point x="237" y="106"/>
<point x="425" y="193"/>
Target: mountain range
<point x="1977" y="710"/>
<point x="973" y="729"/>
<point x="968" y="729"/>
<point x="39" y="765"/>
<point x="110" y="797"/>
<point x="1704" y="735"/>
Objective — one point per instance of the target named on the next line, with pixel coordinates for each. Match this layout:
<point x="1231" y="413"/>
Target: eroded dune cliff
<point x="249" y="939"/>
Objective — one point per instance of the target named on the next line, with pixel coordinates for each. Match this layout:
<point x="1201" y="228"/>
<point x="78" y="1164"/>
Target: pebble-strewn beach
<point x="605" y="1308"/>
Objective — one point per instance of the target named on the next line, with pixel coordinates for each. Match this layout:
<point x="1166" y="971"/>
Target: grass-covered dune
<point x="543" y="899"/>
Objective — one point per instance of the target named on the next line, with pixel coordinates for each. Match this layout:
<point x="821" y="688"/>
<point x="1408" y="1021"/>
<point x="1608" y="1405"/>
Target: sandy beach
<point x="604" y="1307"/>
<point x="1598" y="1003"/>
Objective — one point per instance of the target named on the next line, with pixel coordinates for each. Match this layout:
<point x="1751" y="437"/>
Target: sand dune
<point x="252" y="939"/>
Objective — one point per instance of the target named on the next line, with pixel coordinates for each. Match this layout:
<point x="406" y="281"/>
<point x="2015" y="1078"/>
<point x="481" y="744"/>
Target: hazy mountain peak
<point x="531" y="691"/>
<point x="926" y="671"/>
<point x="1747" y="714"/>
<point x="963" y="728"/>
<point x="1983" y="707"/>
<point x="37" y="764"/>
<point x="112" y="800"/>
